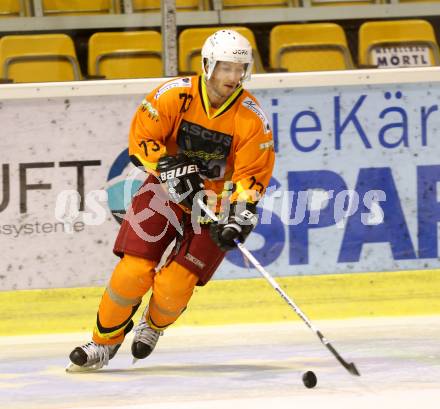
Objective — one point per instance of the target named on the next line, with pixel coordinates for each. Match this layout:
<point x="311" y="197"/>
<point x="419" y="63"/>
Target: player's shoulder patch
<point x="250" y="104"/>
<point x="184" y="82"/>
<point x="150" y="110"/>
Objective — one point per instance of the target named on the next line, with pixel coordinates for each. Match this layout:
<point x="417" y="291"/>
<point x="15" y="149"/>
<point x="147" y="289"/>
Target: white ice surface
<point x="240" y="366"/>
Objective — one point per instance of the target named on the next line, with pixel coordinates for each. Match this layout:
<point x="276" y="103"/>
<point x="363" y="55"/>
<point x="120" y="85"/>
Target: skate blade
<point x="72" y="368"/>
<point x="134" y="361"/>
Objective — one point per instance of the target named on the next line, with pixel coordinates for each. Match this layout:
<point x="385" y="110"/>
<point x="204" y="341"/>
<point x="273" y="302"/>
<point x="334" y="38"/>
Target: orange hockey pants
<point x="172" y="288"/>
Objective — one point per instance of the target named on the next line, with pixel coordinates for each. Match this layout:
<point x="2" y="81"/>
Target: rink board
<point x="341" y="296"/>
<point x="364" y="142"/>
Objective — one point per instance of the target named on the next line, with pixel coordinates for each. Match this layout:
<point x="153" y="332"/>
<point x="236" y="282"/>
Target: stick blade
<point x="352" y="369"/>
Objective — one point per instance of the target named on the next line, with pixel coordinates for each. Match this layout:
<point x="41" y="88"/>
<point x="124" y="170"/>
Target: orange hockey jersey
<point x="233" y="143"/>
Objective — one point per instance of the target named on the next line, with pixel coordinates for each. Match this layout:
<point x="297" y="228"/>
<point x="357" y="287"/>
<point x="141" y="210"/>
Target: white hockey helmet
<point x="226" y="45"/>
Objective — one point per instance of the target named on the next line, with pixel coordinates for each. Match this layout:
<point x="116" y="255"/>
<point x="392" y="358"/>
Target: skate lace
<point x="96" y="354"/>
<point x="147" y="335"/>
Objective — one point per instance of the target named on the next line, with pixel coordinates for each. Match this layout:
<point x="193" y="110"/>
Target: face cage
<point x="211" y="63"/>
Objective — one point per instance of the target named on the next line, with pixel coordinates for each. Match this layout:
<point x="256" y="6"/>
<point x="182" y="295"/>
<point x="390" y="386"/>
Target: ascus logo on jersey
<point x="123" y="181"/>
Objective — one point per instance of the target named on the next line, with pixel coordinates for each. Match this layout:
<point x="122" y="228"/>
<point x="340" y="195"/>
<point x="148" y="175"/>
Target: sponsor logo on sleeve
<point x="179" y="82"/>
<point x="266" y="145"/>
<point x="150" y="110"/>
<point x="253" y="106"/>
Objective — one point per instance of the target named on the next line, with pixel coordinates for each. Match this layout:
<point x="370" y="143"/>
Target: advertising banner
<point x="354" y="187"/>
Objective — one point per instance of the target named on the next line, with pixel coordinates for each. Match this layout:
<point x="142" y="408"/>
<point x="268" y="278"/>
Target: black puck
<point x="309" y="379"/>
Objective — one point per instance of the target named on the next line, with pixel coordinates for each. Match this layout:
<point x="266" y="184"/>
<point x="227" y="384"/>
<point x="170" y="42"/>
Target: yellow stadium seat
<point x="154" y="5"/>
<point x="419" y="1"/>
<point x="309" y="47"/>
<point x="135" y="54"/>
<point x="317" y="3"/>
<point x="79" y="7"/>
<point x="241" y="4"/>
<point x="39" y="58"/>
<point x="402" y="43"/>
<point x="191" y="42"/>
<point x="13" y="8"/>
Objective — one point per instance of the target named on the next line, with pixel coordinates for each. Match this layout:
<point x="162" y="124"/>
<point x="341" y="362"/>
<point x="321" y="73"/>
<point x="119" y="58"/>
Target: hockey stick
<point x="350" y="367"/>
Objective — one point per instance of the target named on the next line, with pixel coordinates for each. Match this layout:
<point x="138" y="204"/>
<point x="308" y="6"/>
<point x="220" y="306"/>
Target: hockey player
<point x="191" y="134"/>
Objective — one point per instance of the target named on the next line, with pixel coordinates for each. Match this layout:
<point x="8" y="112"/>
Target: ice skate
<point x="145" y="339"/>
<point x="91" y="357"/>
